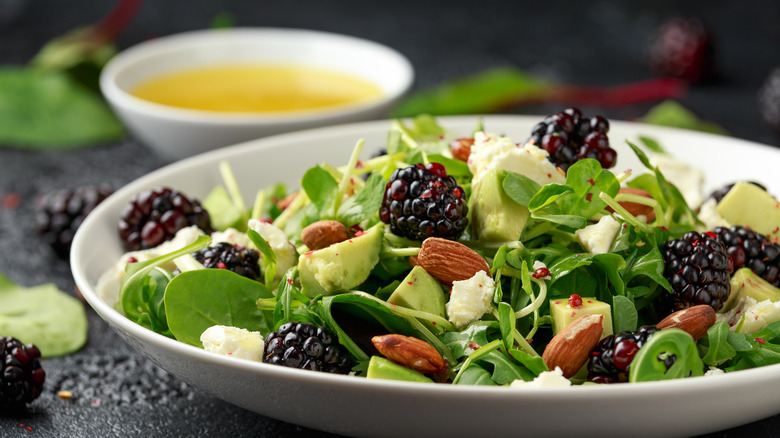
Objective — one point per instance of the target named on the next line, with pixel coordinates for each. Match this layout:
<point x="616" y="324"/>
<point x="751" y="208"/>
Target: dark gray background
<point x="118" y="392"/>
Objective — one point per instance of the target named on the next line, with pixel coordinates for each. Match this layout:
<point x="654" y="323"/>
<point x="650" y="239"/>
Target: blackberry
<point x="718" y="194"/>
<point x="769" y="99"/>
<point x="21" y="375"/>
<point x="60" y="213"/>
<point x="423" y="201"/>
<point x="610" y="360"/>
<point x="698" y="270"/>
<point x="569" y="137"/>
<point x="753" y="250"/>
<point x="236" y="258"/>
<point x="306" y="346"/>
<point x="154" y="216"/>
<point x="682" y="48"/>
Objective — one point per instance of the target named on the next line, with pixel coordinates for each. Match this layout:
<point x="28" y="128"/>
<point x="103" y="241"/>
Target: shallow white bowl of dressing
<point x="176" y="132"/>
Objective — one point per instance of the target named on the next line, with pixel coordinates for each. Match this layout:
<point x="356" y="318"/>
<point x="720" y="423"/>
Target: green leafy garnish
<point x="673" y="114"/>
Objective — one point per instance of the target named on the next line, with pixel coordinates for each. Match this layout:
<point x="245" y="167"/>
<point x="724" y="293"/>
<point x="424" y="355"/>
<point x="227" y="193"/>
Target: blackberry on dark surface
<point x="422" y="201"/>
<point x="154" y="216"/>
<point x="769" y="99"/>
<point x="698" y="270"/>
<point x="568" y="137"/>
<point x="306" y="346"/>
<point x="753" y="250"/>
<point x="21" y="375"/>
<point x="236" y="258"/>
<point x="682" y="48"/>
<point x="60" y="213"/>
<point x="610" y="360"/>
<point x="721" y="192"/>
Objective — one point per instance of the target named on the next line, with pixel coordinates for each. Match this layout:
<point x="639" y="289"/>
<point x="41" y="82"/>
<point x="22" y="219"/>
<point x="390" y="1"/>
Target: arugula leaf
<point x="42" y="315"/>
<point x="269" y="257"/>
<point x="716" y="342"/>
<point x="648" y="364"/>
<point x="476" y="375"/>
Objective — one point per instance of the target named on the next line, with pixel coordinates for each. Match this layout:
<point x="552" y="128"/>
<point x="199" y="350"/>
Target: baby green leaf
<point x="49" y="110"/>
<point x="42" y="315"/>
<point x="364" y="203"/>
<point x="320" y="187"/>
<point x="197" y="300"/>
<point x="520" y="188"/>
<point x="624" y="314"/>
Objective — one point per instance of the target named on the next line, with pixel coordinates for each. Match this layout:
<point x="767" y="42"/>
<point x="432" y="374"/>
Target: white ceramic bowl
<point x="361" y="407"/>
<point x="177" y="132"/>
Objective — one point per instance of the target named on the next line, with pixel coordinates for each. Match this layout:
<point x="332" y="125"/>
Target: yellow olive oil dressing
<point x="258" y="88"/>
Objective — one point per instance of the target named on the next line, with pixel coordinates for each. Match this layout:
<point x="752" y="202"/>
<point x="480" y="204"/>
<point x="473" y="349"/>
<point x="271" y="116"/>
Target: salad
<point x="481" y="260"/>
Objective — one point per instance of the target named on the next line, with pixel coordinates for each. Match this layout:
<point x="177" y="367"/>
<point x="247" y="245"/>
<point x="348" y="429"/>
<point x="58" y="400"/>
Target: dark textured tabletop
<point x="117" y="391"/>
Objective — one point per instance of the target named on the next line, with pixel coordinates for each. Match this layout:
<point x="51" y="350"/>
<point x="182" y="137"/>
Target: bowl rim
<point x="732" y="381"/>
<point x="118" y="96"/>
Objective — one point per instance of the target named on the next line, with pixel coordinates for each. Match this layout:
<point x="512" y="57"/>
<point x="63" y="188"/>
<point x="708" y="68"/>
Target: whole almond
<point x="410" y="352"/>
<point x="450" y="261"/>
<point x="461" y="148"/>
<point x="693" y="320"/>
<point x="286" y="201"/>
<point x="636" y="208"/>
<point x="322" y="234"/>
<point x="570" y="348"/>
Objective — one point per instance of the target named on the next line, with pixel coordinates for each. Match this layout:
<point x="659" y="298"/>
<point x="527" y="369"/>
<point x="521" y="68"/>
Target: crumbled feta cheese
<point x="546" y="379"/>
<point x="714" y="371"/>
<point x="538" y="264"/>
<point x="470" y="299"/>
<point x="231" y="236"/>
<point x="750" y="316"/>
<point x="233" y="342"/>
<point x="277" y="240"/>
<point x="688" y="180"/>
<point x="109" y="282"/>
<point x="597" y="238"/>
<point x="708" y="213"/>
<point x="491" y="151"/>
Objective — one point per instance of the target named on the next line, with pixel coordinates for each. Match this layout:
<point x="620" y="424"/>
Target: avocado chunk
<point x="751" y="206"/>
<point x="381" y="368"/>
<point x="420" y="291"/>
<point x="494" y="215"/>
<point x="563" y="314"/>
<point x="341" y="266"/>
<point x="745" y="283"/>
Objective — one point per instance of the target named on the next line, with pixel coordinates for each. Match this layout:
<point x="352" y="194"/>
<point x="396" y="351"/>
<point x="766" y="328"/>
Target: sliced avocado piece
<point x="494" y="215"/>
<point x="341" y="266"/>
<point x="751" y="206"/>
<point x="563" y="314"/>
<point x="381" y="368"/>
<point x="420" y="291"/>
<point x="222" y="211"/>
<point x="745" y="283"/>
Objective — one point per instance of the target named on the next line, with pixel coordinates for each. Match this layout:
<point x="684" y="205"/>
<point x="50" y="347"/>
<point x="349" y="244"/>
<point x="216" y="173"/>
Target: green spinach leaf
<point x="197" y="300"/>
<point x="42" y="315"/>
